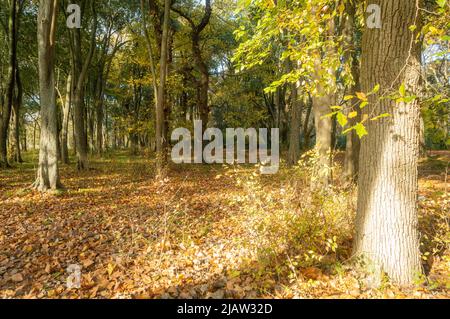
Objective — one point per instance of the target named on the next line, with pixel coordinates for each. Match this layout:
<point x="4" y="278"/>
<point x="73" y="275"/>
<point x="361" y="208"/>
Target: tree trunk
<point x="99" y="109"/>
<point x="161" y="142"/>
<point x="295" y="125"/>
<point x="65" y="123"/>
<point x="203" y="82"/>
<point x="79" y="77"/>
<point x="307" y="128"/>
<point x="16" y="108"/>
<point x="202" y="102"/>
<point x="387" y="222"/>
<point x="48" y="172"/>
<point x="6" y="112"/>
<point x="324" y="127"/>
<point x="322" y="103"/>
<point x="80" y="129"/>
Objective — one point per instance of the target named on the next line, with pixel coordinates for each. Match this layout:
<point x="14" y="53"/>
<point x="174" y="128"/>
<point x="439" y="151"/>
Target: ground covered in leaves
<point x="203" y="232"/>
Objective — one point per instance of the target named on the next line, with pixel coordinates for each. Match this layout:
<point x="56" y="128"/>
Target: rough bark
<point x="48" y="172"/>
<point x="7" y="109"/>
<point x="386" y="224"/>
<point x="353" y="145"/>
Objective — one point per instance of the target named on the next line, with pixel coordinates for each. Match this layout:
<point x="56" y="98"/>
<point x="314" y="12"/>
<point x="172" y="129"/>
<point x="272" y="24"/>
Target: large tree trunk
<point x="48" y="173"/>
<point x="386" y="224"/>
<point x="6" y="112"/>
<point x="65" y="122"/>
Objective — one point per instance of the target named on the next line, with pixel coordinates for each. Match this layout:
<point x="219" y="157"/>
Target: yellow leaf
<point x="352" y="115"/>
<point x="362" y="96"/>
<point x="111" y="268"/>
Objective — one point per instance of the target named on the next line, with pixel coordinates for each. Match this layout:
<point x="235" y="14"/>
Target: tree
<point x="203" y="83"/>
<point x="12" y="80"/>
<point x="322" y="100"/>
<point x="79" y="76"/>
<point x="295" y="125"/>
<point x="387" y="218"/>
<point x="161" y="152"/>
<point x="161" y="28"/>
<point x="48" y="170"/>
<point x="67" y="103"/>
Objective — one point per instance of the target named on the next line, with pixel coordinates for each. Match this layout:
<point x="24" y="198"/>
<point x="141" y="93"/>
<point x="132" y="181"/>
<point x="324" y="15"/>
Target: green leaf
<point x="363" y="105"/>
<point x="381" y="116"/>
<point x="342" y="119"/>
<point x="376" y="89"/>
<point x="361" y="130"/>
<point x="329" y="115"/>
<point x="402" y="90"/>
<point x="348" y="97"/>
<point x="441" y="3"/>
<point x="410" y="99"/>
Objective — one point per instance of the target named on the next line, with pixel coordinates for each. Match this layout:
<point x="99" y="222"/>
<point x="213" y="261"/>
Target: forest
<point x="224" y="149"/>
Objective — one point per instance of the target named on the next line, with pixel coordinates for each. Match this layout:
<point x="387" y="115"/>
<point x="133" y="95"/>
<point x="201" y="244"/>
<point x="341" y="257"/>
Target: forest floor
<point x="203" y="232"/>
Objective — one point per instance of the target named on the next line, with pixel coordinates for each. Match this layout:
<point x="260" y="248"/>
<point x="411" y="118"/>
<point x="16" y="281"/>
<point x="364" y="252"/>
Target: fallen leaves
<point x="17" y="278"/>
<point x="134" y="238"/>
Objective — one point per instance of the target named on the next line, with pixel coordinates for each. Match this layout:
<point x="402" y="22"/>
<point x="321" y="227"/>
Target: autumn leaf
<point x="362" y="96"/>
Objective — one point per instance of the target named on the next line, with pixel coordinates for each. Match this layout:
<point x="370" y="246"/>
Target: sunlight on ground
<point x="204" y="232"/>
